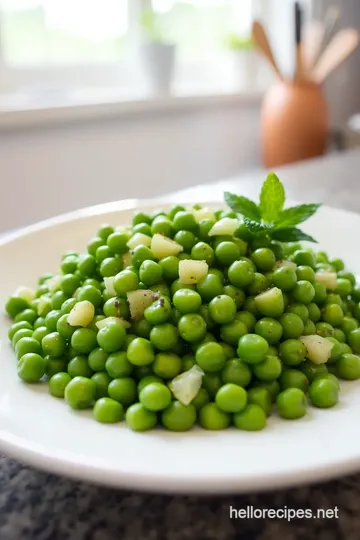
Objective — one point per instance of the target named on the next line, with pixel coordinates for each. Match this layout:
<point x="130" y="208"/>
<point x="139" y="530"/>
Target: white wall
<point x="45" y="172"/>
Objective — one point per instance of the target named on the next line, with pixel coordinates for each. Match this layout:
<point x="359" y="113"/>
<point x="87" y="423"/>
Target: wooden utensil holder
<point x="294" y="123"/>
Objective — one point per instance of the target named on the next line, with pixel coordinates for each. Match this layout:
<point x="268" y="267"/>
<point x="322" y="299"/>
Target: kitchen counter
<point x="38" y="506"/>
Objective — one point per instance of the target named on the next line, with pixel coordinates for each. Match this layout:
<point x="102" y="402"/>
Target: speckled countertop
<point x="38" y="506"/>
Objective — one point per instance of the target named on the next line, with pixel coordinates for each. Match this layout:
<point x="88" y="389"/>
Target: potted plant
<point x="157" y="53"/>
<point x="247" y="61"/>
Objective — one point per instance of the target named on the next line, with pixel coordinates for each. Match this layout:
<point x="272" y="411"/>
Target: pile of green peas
<point x="253" y="360"/>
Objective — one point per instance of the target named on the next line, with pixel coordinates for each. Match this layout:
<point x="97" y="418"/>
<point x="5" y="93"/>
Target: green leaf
<point x="255" y="227"/>
<point x="242" y="205"/>
<point x="272" y="198"/>
<point x="296" y="214"/>
<point x="291" y="234"/>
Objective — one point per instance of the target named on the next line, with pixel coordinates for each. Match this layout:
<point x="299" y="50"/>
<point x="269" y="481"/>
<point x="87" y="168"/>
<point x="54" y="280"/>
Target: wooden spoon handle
<point x="261" y="41"/>
<point x="340" y="47"/>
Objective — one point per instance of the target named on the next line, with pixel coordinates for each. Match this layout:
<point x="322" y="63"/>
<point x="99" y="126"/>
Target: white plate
<point x="44" y="432"/>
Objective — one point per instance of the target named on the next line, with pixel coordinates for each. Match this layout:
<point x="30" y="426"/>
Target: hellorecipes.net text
<point x="288" y="514"/>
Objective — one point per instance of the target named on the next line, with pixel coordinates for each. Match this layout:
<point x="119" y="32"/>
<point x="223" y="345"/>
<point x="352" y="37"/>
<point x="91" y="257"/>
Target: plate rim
<point x="35" y="455"/>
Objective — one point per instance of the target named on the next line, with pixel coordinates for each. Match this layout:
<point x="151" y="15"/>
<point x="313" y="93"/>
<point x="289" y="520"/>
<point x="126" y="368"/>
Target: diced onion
<point x="139" y="239"/>
<point x="81" y="314"/>
<point x="138" y="301"/>
<point x="26" y="293"/>
<point x="104" y="322"/>
<point x="53" y="283"/>
<point x="328" y="279"/>
<point x="225" y="226"/>
<point x="161" y="246"/>
<point x="318" y="349"/>
<point x="126" y="259"/>
<point x="203" y="213"/>
<point x="192" y="271"/>
<point x="186" y="385"/>
<point x="290" y="264"/>
<point x="109" y="285"/>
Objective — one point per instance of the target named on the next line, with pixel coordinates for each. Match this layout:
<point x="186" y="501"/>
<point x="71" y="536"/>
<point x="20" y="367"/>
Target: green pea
<point x="343" y="287"/>
<point x="324" y="329"/>
<point x="167" y="365"/>
<point x="222" y="309"/>
<point x="140" y="352"/>
<point x="269" y="370"/>
<point x="212" y="418"/>
<point x="304" y="258"/>
<point x="292" y="324"/>
<point x="284" y="278"/>
<point x="348" y="367"/>
<point x="108" y="411"/>
<point x="28" y="315"/>
<point x="192" y="327"/>
<point x="299" y="309"/>
<point x="264" y="259"/>
<point x="123" y="390"/>
<point x="187" y="301"/>
<point x="333" y="314"/>
<point x="252" y="349"/>
<point x="272" y="387"/>
<point x="111" y="337"/>
<point x="150" y="273"/>
<point x="312" y="371"/>
<point x="178" y="417"/>
<point x="165" y="337"/>
<point x="210" y="357"/>
<point x="314" y="312"/>
<point x="323" y="393"/>
<point x="15" y="305"/>
<point x="53" y="344"/>
<point x="291" y="403"/>
<point x="231" y="398"/>
<point x="260" y="396"/>
<point x="27" y="345"/>
<point x="170" y="267"/>
<point x="58" y="383"/>
<point x="140" y="419"/>
<point x="252" y="418"/>
<point x="293" y="378"/>
<point x="233" y="331"/>
<point x="159" y="311"/>
<point x="227" y="252"/>
<point x="84" y="340"/>
<point x="155" y="396"/>
<point x="237" y="372"/>
<point x="78" y="366"/>
<point x="21" y="325"/>
<point x="292" y="352"/>
<point x="31" y="367"/>
<point x="270" y="329"/>
<point x="209" y="287"/>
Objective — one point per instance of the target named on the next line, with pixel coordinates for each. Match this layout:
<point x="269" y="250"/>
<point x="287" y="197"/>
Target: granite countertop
<point x="39" y="506"/>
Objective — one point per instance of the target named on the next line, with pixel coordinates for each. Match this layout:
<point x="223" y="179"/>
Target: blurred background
<point x="102" y="100"/>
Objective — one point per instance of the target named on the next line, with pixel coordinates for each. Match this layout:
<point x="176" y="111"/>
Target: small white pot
<point x="158" y="60"/>
<point x="247" y="67"/>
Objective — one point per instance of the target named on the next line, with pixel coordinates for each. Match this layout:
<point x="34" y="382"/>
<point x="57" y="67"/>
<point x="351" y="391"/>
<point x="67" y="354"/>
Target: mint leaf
<point x="291" y="234"/>
<point x="296" y="214"/>
<point x="272" y="198"/>
<point x="255" y="227"/>
<point x="242" y="205"/>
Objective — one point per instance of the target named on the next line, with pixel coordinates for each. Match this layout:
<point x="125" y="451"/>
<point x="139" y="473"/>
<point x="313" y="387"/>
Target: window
<point x="48" y="32"/>
<point x="64" y="44"/>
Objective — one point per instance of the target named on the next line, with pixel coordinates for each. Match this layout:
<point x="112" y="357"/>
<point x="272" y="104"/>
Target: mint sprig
<point x="269" y="216"/>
